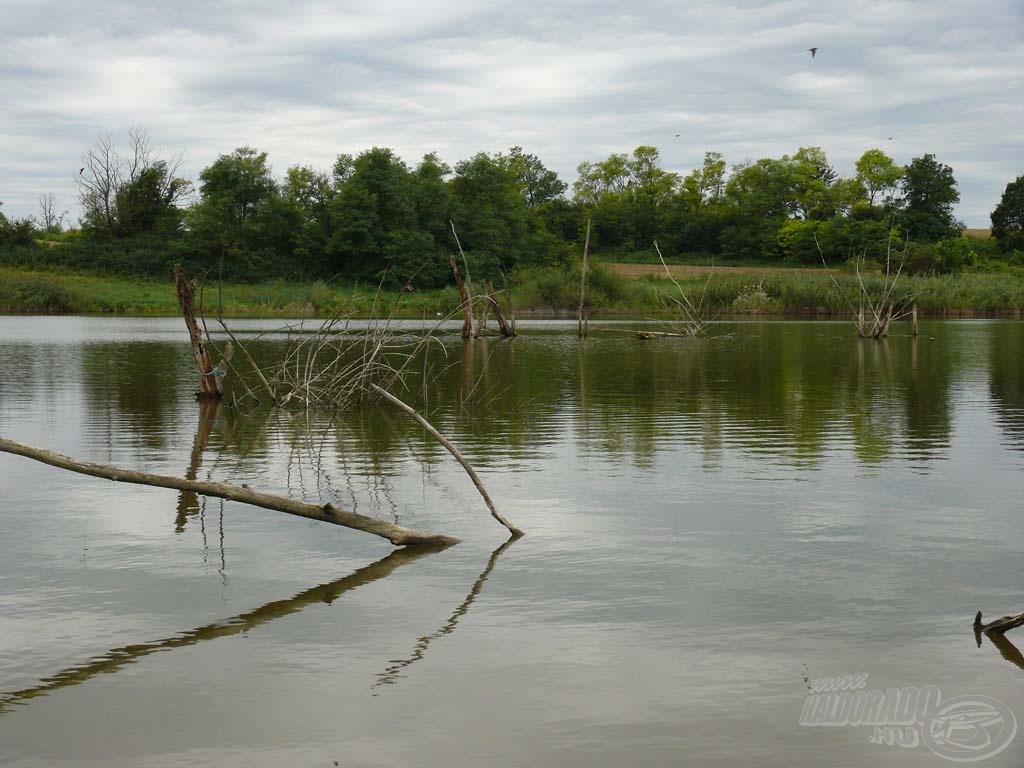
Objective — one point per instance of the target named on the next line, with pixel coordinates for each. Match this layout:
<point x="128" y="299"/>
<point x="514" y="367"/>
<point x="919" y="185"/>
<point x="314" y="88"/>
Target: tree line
<point x="374" y="217"/>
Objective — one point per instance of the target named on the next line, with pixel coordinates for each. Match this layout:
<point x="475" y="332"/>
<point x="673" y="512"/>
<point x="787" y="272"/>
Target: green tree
<point x="704" y="186"/>
<point x="377" y="213"/>
<point x="241" y="216"/>
<point x="629" y="197"/>
<point x="929" y="192"/>
<point x="538" y="184"/>
<point x="1008" y="217"/>
<point x="308" y="194"/>
<point x="879" y="175"/>
<point x="495" y="225"/>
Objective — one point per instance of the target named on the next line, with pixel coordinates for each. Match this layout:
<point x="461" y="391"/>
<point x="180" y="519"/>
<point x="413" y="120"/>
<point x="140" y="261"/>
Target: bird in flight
<point x="814" y="52"/>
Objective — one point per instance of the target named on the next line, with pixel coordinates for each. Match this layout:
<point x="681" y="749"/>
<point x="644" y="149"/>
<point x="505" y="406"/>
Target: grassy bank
<point x="551" y="290"/>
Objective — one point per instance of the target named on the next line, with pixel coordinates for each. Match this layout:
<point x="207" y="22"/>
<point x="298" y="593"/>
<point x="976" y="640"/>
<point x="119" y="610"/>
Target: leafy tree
<point x="241" y="211"/>
<point x="1008" y="217"/>
<point x="704" y="186"/>
<point x="538" y="184"/>
<point x="307" y="194"/>
<point x="495" y="225"/>
<point x="628" y="197"/>
<point x="17" y="232"/>
<point x="879" y="175"/>
<point x="378" y="211"/>
<point x="929" y="191"/>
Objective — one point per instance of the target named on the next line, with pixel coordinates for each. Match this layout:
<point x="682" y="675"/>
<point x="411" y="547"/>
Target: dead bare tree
<point x="874" y="309"/>
<point x="694" y="320"/>
<point x="106" y="175"/>
<point x="582" y="321"/>
<point x="50" y="220"/>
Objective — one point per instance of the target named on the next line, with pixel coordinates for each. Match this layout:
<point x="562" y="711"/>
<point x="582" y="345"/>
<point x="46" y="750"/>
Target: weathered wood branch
<point x="1000" y="625"/>
<point x="209" y="382"/>
<point x="326" y="513"/>
<point x="581" y="317"/>
<point x="506" y="330"/>
<point x="454" y="452"/>
<point x="464" y="302"/>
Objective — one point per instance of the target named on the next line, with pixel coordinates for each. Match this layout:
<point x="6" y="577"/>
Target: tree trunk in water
<point x="507" y="331"/>
<point x="326" y="513"/>
<point x="580" y="314"/>
<point x="209" y="383"/>
<point x="467" y="308"/>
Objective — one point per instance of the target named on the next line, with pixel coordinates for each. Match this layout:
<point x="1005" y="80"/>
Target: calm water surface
<point x="709" y="522"/>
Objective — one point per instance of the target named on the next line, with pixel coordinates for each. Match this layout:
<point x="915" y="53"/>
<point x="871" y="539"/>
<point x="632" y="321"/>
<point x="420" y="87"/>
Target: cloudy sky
<point x="568" y="80"/>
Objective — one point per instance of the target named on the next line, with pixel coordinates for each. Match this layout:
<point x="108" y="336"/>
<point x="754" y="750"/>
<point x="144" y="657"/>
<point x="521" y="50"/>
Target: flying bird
<point x="814" y="52"/>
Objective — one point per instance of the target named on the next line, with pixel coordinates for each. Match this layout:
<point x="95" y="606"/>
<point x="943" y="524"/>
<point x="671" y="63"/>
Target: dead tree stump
<point x="210" y="385"/>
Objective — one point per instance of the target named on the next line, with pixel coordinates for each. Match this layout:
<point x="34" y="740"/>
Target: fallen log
<point x="326" y="513"/>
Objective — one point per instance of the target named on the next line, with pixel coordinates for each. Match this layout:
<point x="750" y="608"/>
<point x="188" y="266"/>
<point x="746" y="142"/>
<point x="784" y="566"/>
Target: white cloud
<point x="569" y="81"/>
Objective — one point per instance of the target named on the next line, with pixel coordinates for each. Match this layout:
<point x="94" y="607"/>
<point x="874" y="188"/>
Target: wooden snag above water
<point x="210" y="377"/>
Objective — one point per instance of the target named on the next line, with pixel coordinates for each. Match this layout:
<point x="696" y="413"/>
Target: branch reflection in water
<point x="393" y="672"/>
<point x="1007" y="650"/>
<point x="117" y="658"/>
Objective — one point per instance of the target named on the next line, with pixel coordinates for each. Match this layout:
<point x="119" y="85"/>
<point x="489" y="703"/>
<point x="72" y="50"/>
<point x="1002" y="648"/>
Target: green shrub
<point x="31" y="295"/>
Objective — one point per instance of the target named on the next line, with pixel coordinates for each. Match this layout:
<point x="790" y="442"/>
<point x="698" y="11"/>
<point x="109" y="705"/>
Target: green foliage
<point x="946" y="257"/>
<point x="557" y="289"/>
<point x="495" y="225"/>
<point x="929" y="191"/>
<point x="1008" y="217"/>
<point x="33" y="295"/>
<point x="17" y="233"/>
<point x="243" y="220"/>
<point x="879" y="177"/>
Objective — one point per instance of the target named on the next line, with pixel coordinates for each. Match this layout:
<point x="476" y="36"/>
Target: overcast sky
<point x="569" y="81"/>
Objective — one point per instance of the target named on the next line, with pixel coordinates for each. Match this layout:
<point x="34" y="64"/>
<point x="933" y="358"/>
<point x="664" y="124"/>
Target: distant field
<point x="688" y="270"/>
<point x="979" y="233"/>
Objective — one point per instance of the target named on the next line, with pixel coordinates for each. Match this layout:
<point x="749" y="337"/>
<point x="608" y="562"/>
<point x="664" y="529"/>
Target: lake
<point x="711" y="524"/>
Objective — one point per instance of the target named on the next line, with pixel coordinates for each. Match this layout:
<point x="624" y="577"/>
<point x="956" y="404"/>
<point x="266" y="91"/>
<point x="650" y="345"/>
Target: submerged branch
<point x="327" y="513"/>
<point x="453" y="451"/>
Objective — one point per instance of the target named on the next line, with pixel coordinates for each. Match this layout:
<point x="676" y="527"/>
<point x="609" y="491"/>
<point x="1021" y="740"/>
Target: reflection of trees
<point x="786" y="392"/>
<point x="117" y="658"/>
<point x="135" y="385"/>
<point x="1006" y="380"/>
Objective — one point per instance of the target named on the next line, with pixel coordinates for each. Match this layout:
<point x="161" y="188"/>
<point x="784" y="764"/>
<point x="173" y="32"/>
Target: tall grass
<point x="548" y="290"/>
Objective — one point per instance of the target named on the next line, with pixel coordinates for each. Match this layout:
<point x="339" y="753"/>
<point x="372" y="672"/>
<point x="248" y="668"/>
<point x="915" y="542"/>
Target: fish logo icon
<point x="966" y="729"/>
